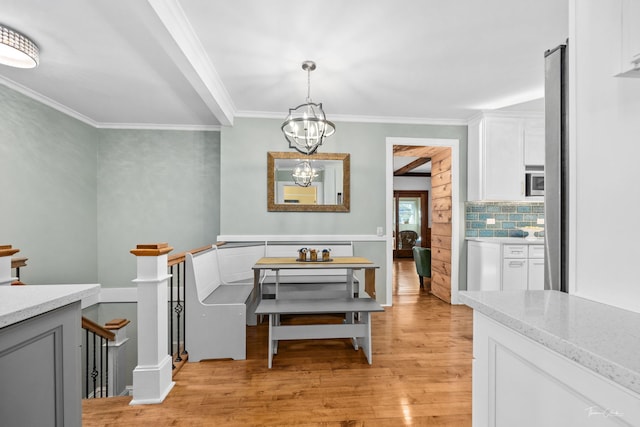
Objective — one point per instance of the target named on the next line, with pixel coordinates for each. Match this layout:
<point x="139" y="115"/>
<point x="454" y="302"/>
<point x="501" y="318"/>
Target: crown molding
<point x="37" y="96"/>
<point x="362" y="119"/>
<point x="506" y="114"/>
<point x="154" y="126"/>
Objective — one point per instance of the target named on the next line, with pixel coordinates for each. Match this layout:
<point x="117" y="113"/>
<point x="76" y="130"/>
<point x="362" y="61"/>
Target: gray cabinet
<point x="39" y="370"/>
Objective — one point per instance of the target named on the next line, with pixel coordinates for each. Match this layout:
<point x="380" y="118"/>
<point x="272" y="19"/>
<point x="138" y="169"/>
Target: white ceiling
<point x="202" y="63"/>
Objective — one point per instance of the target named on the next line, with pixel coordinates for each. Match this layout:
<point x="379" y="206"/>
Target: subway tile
<point x="485" y="233"/>
<point x="509" y="217"/>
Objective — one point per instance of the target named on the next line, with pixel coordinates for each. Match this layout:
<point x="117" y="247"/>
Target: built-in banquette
<point x="221" y="295"/>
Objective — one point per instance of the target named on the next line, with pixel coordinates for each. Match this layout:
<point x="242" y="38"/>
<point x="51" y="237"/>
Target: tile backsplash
<point x="508" y="216"/>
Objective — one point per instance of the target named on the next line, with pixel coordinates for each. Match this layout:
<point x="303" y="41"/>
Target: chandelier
<point x="307" y="126"/>
<point x="304" y="174"/>
<point x="17" y="50"/>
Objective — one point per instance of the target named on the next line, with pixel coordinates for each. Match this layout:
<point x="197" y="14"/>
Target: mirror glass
<point x="328" y="192"/>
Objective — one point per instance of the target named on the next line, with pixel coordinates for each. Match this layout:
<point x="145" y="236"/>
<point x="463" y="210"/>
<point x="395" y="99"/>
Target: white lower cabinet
<point x="494" y="266"/>
<point x="514" y="274"/>
<point x="535" y="275"/>
<point x="518" y="382"/>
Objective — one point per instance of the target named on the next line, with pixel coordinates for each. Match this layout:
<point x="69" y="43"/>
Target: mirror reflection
<point x="319" y="182"/>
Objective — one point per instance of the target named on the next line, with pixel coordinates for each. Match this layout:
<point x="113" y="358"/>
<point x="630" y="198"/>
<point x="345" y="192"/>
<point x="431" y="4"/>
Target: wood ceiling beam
<point x="409" y="167"/>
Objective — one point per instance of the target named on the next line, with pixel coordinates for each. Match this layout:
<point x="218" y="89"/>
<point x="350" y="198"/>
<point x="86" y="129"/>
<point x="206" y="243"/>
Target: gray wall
<point x="243" y="203"/>
<point x="48" y="185"/>
<point x="154" y="186"/>
<point x="76" y="199"/>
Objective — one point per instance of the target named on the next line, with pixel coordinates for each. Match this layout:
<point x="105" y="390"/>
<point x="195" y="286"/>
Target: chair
<point x="422" y="258"/>
<point x="407" y="239"/>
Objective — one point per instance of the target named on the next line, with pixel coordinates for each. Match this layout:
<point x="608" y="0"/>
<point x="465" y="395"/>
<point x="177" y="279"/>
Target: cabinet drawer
<point x="536" y="251"/>
<point x="514" y="251"/>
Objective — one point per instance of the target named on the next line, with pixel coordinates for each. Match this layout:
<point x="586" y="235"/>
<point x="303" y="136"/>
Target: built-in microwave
<point x="534" y="184"/>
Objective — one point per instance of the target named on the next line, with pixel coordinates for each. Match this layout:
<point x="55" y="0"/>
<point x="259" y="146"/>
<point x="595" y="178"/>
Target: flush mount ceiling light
<point x="306" y="127"/>
<point x="304" y="174"/>
<point x="17" y="50"/>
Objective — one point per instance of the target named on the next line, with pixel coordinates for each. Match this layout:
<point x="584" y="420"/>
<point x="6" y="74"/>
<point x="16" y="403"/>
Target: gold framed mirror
<point x="328" y="192"/>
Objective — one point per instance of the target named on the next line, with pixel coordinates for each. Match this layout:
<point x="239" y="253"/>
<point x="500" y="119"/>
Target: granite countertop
<point x="18" y="303"/>
<point x="602" y="338"/>
<point x="508" y="240"/>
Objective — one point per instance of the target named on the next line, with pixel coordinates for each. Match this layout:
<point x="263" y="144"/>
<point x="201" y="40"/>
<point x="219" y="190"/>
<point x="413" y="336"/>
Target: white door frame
<point x="454" y="144"/>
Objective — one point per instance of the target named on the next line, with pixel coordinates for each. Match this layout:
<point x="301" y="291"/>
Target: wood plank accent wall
<point x="441" y="224"/>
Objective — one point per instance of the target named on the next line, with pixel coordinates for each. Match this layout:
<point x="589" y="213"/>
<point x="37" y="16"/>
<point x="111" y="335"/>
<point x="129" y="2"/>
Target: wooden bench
<point x="359" y="331"/>
<point x="219" y="301"/>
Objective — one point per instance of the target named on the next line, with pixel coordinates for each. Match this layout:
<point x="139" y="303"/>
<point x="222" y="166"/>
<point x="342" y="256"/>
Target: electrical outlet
<point x="540" y="221"/>
<point x="491" y="221"/>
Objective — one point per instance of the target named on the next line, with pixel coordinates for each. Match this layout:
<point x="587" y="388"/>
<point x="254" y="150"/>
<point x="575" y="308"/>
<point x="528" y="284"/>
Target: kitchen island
<point x="40" y="353"/>
<point x="549" y="358"/>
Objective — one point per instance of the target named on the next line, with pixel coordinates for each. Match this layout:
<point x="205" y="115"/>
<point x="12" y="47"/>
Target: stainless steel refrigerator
<point x="556" y="169"/>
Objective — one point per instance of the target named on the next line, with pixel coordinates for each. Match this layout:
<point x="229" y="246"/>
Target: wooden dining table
<point x="357" y="310"/>
<point x="349" y="263"/>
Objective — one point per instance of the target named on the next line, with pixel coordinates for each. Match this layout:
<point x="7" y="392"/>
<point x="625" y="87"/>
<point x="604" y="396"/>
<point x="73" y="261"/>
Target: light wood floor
<point x="421" y="375"/>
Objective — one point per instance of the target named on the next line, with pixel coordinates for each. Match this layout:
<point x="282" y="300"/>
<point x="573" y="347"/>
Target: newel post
<point x="6" y="252"/>
<point x="152" y="376"/>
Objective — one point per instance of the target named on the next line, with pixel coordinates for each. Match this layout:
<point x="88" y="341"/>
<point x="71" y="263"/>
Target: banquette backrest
<point x="236" y="262"/>
<point x="203" y="272"/>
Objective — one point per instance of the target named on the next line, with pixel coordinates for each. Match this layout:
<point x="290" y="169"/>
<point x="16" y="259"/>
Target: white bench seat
<point x="219" y="306"/>
<point x="229" y="294"/>
<point x="359" y="331"/>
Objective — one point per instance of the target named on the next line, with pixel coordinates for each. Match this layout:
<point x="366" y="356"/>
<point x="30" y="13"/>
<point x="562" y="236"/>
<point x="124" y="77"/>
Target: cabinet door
<point x="483" y="266"/>
<point x="536" y="274"/>
<point x="514" y="274"/>
<point x="503" y="165"/>
<point x="534" y="142"/>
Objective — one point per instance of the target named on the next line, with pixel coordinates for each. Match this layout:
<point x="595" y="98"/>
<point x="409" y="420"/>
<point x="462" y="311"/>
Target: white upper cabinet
<point x="499" y="147"/>
<point x="534" y="142"/>
<point x="630" y="43"/>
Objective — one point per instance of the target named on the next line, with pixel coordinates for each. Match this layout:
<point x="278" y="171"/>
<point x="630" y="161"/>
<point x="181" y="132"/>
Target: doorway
<point x="445" y="211"/>
<point x="410" y="222"/>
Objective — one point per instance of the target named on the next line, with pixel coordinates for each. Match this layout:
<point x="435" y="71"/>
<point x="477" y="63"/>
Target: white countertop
<point x="19" y="303"/>
<point x="507" y="240"/>
<point x="603" y="338"/>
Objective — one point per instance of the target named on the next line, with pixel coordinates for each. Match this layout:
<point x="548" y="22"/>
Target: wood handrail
<point x="18" y="262"/>
<point x="180" y="257"/>
<point x="91" y="326"/>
